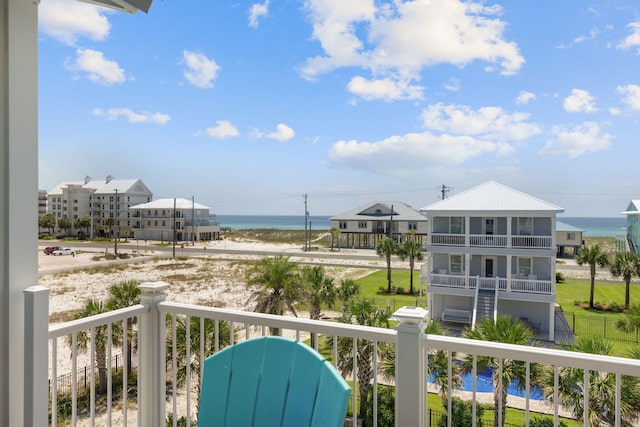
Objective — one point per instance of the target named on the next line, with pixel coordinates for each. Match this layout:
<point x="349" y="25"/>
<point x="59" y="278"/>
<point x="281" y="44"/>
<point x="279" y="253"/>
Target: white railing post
<point x="411" y="377"/>
<point x="151" y="367"/>
<point x="36" y="348"/>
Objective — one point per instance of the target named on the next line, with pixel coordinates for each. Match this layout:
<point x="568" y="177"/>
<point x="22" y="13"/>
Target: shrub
<point x="559" y="277"/>
<point x="545" y="422"/>
<point x="399" y="290"/>
<point x="461" y="413"/>
<point x="615" y="307"/>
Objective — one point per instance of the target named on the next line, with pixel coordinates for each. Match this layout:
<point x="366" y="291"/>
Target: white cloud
<point x="630" y="95"/>
<point x="524" y="97"/>
<point x="223" y="129"/>
<point x="68" y="20"/>
<point x="582" y="139"/>
<point x="131" y="116"/>
<point x="399" y="155"/>
<point x="201" y="71"/>
<point x="385" y="89"/>
<point x="579" y="101"/>
<point x="97" y="67"/>
<point x="452" y="85"/>
<point x="282" y="133"/>
<point x="487" y="122"/>
<point x="399" y="39"/>
<point x="257" y="11"/>
<point x="633" y="40"/>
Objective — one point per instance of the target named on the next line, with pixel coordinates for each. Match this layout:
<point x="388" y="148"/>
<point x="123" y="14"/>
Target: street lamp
<point x="130" y="6"/>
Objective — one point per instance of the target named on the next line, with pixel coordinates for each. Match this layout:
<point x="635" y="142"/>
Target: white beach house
<point x="492" y="250"/>
<point x="154" y="221"/>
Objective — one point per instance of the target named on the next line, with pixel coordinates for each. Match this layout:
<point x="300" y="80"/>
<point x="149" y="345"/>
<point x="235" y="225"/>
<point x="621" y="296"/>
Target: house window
<point x="456" y="225"/>
<point x="524" y="267"/>
<point x="412" y="226"/>
<point x="525" y="226"/>
<point x="571" y="236"/>
<point x="164" y="223"/>
<point x="455" y="263"/>
<point x="362" y="224"/>
<point x="342" y="225"/>
<point x="156" y="223"/>
<point x="148" y="223"/>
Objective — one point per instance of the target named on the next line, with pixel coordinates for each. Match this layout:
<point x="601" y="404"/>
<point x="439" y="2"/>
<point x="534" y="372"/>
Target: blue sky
<point x="248" y="106"/>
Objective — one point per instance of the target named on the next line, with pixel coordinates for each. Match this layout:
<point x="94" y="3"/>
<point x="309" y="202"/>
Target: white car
<point x="64" y="251"/>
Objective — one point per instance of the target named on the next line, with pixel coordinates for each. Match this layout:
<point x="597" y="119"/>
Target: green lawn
<point x="371" y="284"/>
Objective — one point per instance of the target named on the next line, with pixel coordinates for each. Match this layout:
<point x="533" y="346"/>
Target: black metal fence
<point x="583" y="325"/>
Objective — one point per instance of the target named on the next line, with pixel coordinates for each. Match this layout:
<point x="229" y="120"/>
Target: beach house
<point x="492" y="250"/>
<point x="568" y="239"/>
<point x="366" y="225"/>
<point x="155" y="221"/>
<point x="631" y="239"/>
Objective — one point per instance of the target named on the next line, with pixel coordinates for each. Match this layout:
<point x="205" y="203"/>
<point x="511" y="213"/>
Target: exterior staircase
<point x="485" y="303"/>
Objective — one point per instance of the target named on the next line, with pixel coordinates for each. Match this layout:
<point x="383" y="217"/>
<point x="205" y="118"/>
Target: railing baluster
<point x="109" y="371"/>
<point x="125" y="374"/>
<point x="54" y="382"/>
<point x="174" y="367"/>
<point x="74" y="379"/>
<point x="188" y="366"/>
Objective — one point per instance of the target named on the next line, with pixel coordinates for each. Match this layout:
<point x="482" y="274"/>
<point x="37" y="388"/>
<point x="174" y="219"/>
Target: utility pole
<point x="306" y="218"/>
<point x="193" y="220"/>
<point x="115" y="223"/>
<point x="444" y="191"/>
<point x="174" y="228"/>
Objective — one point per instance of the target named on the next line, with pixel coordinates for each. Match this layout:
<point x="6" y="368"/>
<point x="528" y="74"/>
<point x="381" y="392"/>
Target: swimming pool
<point x="484" y="384"/>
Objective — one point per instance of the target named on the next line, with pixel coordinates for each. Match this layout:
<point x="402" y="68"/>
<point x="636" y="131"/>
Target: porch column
<point x="552" y="321"/>
<point x="411" y="380"/>
<point x="18" y="194"/>
<point x="36" y="350"/>
<point x="509" y="234"/>
<point x="152" y="332"/>
<point x="509" y="270"/>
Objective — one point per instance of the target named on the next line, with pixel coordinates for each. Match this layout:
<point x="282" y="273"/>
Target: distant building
<point x="568" y="239"/>
<point x="42" y="202"/>
<point x="100" y="201"/>
<point x="155" y="221"/>
<point x="631" y="240"/>
<point x="491" y="250"/>
<point x="365" y="226"/>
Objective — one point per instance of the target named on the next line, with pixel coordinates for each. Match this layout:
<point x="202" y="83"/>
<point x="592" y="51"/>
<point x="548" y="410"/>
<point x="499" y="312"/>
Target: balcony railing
<point x="493" y="240"/>
<point x="170" y="334"/>
<point x="515" y="284"/>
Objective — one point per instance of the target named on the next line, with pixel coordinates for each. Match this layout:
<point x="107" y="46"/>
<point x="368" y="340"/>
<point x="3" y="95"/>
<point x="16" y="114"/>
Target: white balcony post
<point x="411" y="377"/>
<point x="151" y="368"/>
<point x="36" y="348"/>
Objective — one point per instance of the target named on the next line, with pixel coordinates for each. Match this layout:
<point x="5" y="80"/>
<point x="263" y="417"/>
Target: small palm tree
<point x="594" y="256"/>
<point x="365" y="313"/>
<point x="386" y="248"/>
<point x="94" y="307"/>
<point x="318" y="290"/>
<point x="508" y="330"/>
<point x="630" y="322"/>
<point x="277" y="284"/>
<point x="347" y="291"/>
<point x="411" y="250"/>
<point x="627" y="265"/>
<point x="602" y="387"/>
<point x="124" y="294"/>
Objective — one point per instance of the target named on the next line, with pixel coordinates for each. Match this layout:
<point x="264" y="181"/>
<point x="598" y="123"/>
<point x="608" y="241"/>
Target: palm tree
<point x="83" y="222"/>
<point x="124" y="294"/>
<point x="602" y="388"/>
<point x="277" y="284"/>
<point x="47" y="221"/>
<point x="209" y="336"/>
<point x="318" y="290"/>
<point x="506" y="329"/>
<point x="93" y="307"/>
<point x="386" y="247"/>
<point x="627" y="265"/>
<point x="594" y="256"/>
<point x="630" y="322"/>
<point x="64" y="224"/>
<point x="411" y="250"/>
<point x="347" y="291"/>
<point x="365" y="313"/>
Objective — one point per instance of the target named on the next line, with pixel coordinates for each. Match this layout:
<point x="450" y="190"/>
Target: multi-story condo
<point x="155" y="221"/>
<point x="492" y="250"/>
<point x="364" y="226"/>
<point x="101" y="201"/>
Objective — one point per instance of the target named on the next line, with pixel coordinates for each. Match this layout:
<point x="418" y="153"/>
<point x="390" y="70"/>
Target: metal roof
<point x="180" y="203"/>
<point x="633" y="208"/>
<point x="492" y="196"/>
<point x="562" y="226"/>
<point x="382" y="210"/>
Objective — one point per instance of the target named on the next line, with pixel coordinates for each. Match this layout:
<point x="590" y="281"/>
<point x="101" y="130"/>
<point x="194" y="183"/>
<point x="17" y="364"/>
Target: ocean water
<point x="280" y="222"/>
<point x="591" y="226"/>
<point x="598" y="227"/>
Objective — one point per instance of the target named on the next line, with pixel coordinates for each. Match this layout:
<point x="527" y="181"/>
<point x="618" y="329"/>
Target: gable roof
<point x="382" y="210"/>
<point x="105" y="186"/>
<point x="492" y="196"/>
<point x="563" y="226"/>
<point x="182" y="204"/>
<point x="633" y="208"/>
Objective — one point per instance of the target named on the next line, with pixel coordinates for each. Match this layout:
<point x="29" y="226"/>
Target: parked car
<point x="49" y="249"/>
<point x="64" y="251"/>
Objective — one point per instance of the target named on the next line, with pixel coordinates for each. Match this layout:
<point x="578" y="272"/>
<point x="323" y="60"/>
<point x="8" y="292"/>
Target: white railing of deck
<point x="412" y="349"/>
<point x="531" y="286"/>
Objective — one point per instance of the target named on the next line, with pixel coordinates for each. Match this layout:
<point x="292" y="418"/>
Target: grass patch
<point x="371" y="283"/>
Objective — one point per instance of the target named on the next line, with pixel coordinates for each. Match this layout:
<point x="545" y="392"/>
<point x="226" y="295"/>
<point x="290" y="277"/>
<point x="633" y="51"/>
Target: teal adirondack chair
<point x="271" y="381"/>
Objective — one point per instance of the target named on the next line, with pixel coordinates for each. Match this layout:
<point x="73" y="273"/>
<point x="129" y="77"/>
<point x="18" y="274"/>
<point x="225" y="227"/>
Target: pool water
<point x="484" y="384"/>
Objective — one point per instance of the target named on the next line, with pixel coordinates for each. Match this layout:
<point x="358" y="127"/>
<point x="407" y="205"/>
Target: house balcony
<point x="167" y="335"/>
<point x="529" y="284"/>
<point x="491" y="241"/>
